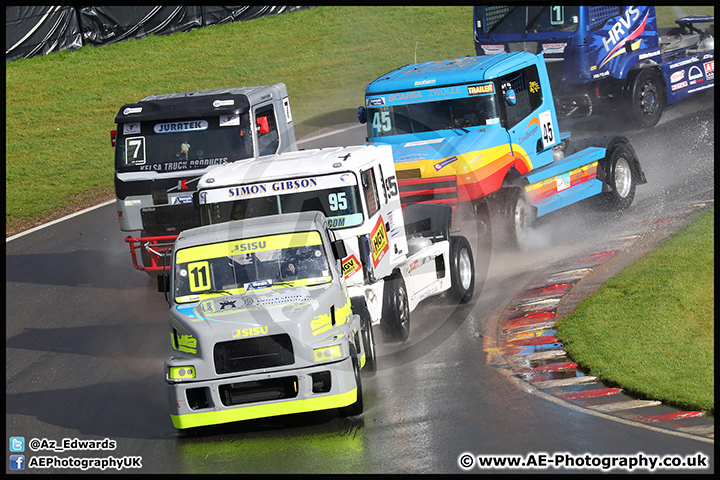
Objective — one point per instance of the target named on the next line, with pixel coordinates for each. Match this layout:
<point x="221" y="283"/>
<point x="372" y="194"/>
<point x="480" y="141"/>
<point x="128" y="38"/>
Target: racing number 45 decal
<point x="548" y="131"/>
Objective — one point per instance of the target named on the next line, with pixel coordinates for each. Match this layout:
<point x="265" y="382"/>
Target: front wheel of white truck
<point x="395" y="321"/>
<point x="462" y="271"/>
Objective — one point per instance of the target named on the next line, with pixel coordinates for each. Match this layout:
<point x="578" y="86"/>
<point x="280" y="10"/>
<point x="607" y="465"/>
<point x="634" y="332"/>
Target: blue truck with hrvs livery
<point x="606" y="58"/>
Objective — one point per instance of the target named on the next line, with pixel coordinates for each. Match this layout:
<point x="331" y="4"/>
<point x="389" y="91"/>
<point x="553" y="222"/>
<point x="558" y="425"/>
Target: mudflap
<point x="609" y="143"/>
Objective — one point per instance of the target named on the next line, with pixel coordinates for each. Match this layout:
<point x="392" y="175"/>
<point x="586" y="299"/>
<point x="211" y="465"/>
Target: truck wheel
<point x="462" y="271"/>
<point x="359" y="307"/>
<point x="473" y="220"/>
<point x="646" y="98"/>
<point x="516" y="217"/>
<point x="356" y="408"/>
<point x="395" y="321"/>
<point x="368" y="340"/>
<point x="620" y="178"/>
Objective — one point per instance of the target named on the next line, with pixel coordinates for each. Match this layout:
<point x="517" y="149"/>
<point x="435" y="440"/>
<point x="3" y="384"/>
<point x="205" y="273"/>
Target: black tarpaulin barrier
<point x="106" y="25"/>
<point x="219" y="15"/>
<point x="33" y="30"/>
<point x="39" y="30"/>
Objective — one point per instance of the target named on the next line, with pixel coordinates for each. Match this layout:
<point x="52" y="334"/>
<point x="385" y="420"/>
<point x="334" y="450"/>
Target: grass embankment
<point x="60" y="108"/>
<point x="650" y="329"/>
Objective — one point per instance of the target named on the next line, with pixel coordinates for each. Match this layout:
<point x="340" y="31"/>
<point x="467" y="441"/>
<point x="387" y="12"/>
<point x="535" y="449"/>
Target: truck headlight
<point x="182" y="373"/>
<point x="326" y="354"/>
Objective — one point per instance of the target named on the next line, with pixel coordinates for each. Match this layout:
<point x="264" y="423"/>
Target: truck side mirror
<point x="113" y="136"/>
<point x="362" y="115"/>
<point x="338" y="248"/>
<point x="510" y="97"/>
<point x="164" y="285"/>
<point x="163" y="281"/>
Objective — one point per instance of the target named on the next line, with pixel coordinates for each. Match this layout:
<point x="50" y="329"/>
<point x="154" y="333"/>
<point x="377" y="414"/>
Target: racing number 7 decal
<point x="135" y="151"/>
<point x="199" y="276"/>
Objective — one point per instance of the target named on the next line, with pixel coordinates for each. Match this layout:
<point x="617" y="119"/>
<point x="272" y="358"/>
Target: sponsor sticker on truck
<point x="379" y="240"/>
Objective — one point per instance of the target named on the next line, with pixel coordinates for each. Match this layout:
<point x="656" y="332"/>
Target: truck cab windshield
<point x="252" y="264"/>
<point x="460" y="113"/>
<point x="511" y="19"/>
<point x="341" y="205"/>
<point x="173" y="145"/>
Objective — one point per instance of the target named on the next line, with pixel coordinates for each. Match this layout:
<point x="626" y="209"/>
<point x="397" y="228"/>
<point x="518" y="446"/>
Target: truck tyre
<point x="647" y="99"/>
<point x="516" y="217"/>
<point x="462" y="271"/>
<point x="473" y="219"/>
<point x="359" y="307"/>
<point x="395" y="321"/>
<point x="620" y="177"/>
<point x="356" y="408"/>
<point x="368" y="340"/>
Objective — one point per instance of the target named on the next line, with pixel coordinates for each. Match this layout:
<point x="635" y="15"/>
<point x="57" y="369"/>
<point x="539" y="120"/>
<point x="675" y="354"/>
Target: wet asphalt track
<point x="86" y="337"/>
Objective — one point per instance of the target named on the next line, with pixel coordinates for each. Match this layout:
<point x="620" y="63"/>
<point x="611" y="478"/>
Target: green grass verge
<point x="60" y="108"/>
<point x="650" y="329"/>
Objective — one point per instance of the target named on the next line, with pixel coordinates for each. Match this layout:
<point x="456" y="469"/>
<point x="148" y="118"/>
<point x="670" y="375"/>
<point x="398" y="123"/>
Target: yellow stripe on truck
<point x="200" y="419"/>
<point x="248" y="245"/>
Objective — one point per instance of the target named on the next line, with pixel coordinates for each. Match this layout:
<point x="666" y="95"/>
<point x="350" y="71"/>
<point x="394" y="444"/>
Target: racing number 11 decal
<point x="199" y="276"/>
<point x="548" y="133"/>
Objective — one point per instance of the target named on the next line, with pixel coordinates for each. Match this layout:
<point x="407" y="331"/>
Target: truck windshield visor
<point x="264" y="263"/>
<point x="175" y="145"/>
<point x="516" y="19"/>
<point x="471" y="110"/>
<point x="337" y="196"/>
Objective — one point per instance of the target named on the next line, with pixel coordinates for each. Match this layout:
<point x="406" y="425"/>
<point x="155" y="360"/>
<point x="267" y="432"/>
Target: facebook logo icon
<point x="17" y="462"/>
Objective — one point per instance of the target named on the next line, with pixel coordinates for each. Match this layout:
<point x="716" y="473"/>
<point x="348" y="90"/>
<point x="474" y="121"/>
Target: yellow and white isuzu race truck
<point x="395" y="258"/>
<point x="261" y="322"/>
<point x="164" y="143"/>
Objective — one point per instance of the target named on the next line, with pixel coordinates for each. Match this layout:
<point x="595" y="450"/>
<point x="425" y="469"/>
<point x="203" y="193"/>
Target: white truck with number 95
<point x="395" y="258"/>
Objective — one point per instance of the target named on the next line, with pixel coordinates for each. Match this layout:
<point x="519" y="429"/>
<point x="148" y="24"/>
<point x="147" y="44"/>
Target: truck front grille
<point x="436" y="190"/>
<point x="169" y="220"/>
<point x="258" y="391"/>
<point x="253" y="353"/>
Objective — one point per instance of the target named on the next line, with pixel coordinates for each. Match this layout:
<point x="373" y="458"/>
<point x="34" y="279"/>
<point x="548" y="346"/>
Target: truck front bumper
<point x="231" y="399"/>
